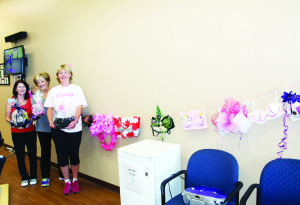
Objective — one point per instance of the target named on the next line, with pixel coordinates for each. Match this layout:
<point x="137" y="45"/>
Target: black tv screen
<point x="14" y="60"/>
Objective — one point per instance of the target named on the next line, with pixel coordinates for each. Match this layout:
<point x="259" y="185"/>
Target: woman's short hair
<point x="15" y="93"/>
<point x="67" y="68"/>
<point x="45" y="75"/>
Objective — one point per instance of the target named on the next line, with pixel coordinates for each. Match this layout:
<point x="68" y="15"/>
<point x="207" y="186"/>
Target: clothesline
<point x="216" y="107"/>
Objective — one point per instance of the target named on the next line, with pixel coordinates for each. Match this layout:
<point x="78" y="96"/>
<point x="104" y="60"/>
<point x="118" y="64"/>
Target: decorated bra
<point x="161" y="124"/>
<point x="127" y="127"/>
<point x="194" y="119"/>
<point x="102" y="126"/>
<point x="232" y="118"/>
<point x="273" y="111"/>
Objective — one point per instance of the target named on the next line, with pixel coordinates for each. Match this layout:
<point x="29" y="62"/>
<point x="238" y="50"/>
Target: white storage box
<point x="142" y="168"/>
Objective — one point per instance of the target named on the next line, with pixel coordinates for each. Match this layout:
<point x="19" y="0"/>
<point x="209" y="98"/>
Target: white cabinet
<point x="142" y="168"/>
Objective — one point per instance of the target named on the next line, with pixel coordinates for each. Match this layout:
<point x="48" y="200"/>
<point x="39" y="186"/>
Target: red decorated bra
<point x="127" y="127"/>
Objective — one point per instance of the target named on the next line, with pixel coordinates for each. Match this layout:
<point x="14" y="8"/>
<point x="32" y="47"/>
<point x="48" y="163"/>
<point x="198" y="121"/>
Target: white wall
<point x="129" y="56"/>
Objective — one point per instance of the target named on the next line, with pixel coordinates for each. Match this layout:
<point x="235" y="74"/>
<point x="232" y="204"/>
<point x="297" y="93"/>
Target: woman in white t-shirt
<point x="65" y="103"/>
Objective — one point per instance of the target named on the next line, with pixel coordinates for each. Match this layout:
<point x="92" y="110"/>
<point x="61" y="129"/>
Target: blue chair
<point x="209" y="167"/>
<point x="279" y="184"/>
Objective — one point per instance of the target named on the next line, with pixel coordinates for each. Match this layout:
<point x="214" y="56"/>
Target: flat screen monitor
<point x="14" y="60"/>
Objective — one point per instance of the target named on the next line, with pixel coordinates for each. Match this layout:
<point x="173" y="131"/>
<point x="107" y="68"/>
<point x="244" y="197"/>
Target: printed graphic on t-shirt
<point x="65" y="106"/>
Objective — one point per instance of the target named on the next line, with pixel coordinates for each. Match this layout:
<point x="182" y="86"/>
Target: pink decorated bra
<point x="234" y="118"/>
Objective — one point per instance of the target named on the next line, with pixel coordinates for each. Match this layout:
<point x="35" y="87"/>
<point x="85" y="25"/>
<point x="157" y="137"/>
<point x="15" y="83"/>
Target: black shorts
<point x="67" y="146"/>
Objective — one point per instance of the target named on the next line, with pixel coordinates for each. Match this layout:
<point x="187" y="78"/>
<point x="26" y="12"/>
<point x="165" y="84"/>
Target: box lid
<point x="148" y="148"/>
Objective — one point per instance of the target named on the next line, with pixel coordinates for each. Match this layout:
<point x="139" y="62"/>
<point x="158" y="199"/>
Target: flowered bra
<point x="274" y="111"/>
<point x="233" y="118"/>
<point x="194" y="119"/>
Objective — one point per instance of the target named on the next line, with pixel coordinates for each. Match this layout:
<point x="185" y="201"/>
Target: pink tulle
<point x="226" y="123"/>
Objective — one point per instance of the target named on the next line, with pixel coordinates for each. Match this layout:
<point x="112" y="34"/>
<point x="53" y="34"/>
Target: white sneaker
<point x="24" y="182"/>
<point x="61" y="178"/>
<point x="33" y="181"/>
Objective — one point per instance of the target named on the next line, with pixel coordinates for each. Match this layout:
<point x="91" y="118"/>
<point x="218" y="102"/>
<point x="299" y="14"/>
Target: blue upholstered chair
<point x="209" y="167"/>
<point x="279" y="184"/>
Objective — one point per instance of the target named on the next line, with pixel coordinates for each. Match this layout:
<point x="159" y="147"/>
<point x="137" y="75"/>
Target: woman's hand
<point x="72" y="124"/>
<point x="51" y="124"/>
<point x="77" y="116"/>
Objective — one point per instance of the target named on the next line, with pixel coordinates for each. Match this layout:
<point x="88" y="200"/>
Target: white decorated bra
<point x="274" y="110"/>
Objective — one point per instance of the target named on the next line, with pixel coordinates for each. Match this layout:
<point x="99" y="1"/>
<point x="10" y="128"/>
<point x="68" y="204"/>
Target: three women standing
<point x="63" y="105"/>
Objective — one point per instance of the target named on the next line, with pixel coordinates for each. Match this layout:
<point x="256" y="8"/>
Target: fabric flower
<point x="290" y="97"/>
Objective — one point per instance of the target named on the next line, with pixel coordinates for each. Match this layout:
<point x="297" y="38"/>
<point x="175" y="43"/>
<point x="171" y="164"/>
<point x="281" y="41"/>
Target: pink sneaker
<point x="75" y="187"/>
<point x="68" y="188"/>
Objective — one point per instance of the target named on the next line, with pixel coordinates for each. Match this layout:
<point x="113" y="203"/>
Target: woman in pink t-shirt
<point x="65" y="103"/>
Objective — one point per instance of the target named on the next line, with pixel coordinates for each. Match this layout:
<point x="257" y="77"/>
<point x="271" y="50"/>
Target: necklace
<point x="21" y="101"/>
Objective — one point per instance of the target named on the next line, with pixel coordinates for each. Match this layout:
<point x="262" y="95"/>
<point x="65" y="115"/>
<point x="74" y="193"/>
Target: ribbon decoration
<point x="288" y="98"/>
<point x="283" y="144"/>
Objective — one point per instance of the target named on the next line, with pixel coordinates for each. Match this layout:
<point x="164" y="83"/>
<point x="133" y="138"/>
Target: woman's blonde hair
<point x="45" y="75"/>
<point x="67" y="68"/>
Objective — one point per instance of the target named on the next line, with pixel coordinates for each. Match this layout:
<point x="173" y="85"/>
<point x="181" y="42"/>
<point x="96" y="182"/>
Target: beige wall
<point x="128" y="56"/>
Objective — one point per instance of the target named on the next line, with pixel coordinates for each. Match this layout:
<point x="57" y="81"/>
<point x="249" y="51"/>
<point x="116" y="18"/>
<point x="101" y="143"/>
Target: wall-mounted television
<point x="14" y="60"/>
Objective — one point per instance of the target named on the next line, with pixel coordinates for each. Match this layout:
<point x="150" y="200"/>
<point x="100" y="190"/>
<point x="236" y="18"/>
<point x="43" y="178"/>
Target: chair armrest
<point x="249" y="192"/>
<point x="167" y="180"/>
<point x="234" y="193"/>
